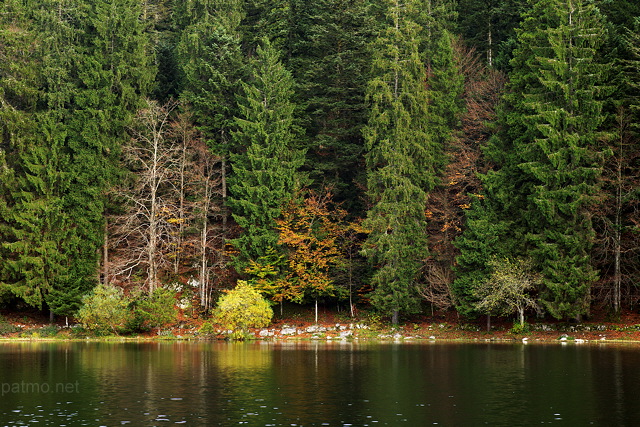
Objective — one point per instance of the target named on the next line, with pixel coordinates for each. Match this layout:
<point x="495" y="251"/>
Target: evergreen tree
<point x="547" y="154"/>
<point x="212" y="67"/>
<point x="34" y="226"/>
<point x="563" y="159"/>
<point x="90" y="62"/>
<point x="111" y="76"/>
<point x="401" y="161"/>
<point x="325" y="45"/>
<point x="265" y="177"/>
<point x="330" y="64"/>
<point x="489" y="26"/>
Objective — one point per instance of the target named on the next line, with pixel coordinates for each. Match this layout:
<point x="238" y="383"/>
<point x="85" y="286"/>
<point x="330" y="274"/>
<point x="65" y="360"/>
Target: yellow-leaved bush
<point x="242" y="308"/>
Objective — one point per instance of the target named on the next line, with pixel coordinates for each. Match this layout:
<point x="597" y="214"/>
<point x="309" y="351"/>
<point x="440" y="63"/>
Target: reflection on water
<point x="310" y="383"/>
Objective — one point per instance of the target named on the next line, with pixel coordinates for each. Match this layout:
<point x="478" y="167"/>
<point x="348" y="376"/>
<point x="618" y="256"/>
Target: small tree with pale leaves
<point x="508" y="289"/>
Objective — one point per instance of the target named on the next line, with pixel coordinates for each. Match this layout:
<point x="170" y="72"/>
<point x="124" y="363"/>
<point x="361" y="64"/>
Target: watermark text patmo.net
<point x="38" y="388"/>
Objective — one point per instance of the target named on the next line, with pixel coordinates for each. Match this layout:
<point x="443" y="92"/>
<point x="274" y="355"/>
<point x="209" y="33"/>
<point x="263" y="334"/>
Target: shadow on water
<point x="313" y="384"/>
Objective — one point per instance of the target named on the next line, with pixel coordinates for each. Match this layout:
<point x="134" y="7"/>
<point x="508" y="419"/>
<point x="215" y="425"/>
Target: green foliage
<point x="105" y="309"/>
<point x="242" y="308"/>
<point x="402" y="161"/>
<point x="328" y="81"/>
<point x="266" y="176"/>
<point x="489" y="26"/>
<point x="7" y="328"/>
<point x="330" y="60"/>
<point x="266" y="275"/>
<point x="153" y="310"/>
<point x="211" y="66"/>
<point x="520" y="328"/>
<point x="63" y="119"/>
<point x="208" y="328"/>
<point x="508" y="288"/>
<point x="48" y="331"/>
<point x="559" y="96"/>
<point x="485" y="238"/>
<point x="546" y="156"/>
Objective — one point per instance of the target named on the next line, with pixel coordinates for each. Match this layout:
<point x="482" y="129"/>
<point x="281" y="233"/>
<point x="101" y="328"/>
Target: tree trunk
<point x="394" y="317"/>
<point x="488" y="323"/>
<point x="105" y="255"/>
<point x="617" y="276"/>
<point x="490" y="46"/>
<point x="204" y="300"/>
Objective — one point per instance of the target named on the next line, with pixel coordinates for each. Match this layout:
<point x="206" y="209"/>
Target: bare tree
<point x="616" y="219"/>
<point x="208" y="216"/>
<point x="435" y="286"/>
<point x="144" y="231"/>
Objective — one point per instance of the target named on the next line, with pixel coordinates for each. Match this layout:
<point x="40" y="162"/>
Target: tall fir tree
<point x="113" y="73"/>
<point x="35" y="226"/>
<point x="547" y="155"/>
<point x="62" y="156"/>
<point x="330" y="64"/>
<point x="211" y="66"/>
<point x="565" y="108"/>
<point x="489" y="26"/>
<point x="265" y="176"/>
<point x="325" y="45"/>
<point x="401" y="161"/>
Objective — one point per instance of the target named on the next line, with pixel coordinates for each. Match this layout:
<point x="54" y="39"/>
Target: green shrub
<point x="520" y="328"/>
<point x="242" y="308"/>
<point x="153" y="310"/>
<point x="105" y="309"/>
<point x="6" y="327"/>
<point x="49" y="331"/>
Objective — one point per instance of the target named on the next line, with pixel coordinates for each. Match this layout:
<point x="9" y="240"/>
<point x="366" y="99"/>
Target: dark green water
<point x="314" y="384"/>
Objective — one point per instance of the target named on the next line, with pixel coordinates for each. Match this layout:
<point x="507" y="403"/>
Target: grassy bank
<point x="336" y="326"/>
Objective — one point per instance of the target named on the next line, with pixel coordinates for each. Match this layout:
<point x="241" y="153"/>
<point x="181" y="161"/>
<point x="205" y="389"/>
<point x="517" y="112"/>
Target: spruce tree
<point x="400" y="160"/>
<point x="91" y="65"/>
<point x="266" y="176"/>
<point x="35" y="227"/>
<point x="547" y="156"/>
<point x="330" y="64"/>
<point x="212" y="67"/>
<point x="563" y="160"/>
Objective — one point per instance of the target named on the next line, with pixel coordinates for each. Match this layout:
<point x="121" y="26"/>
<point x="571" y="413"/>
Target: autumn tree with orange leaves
<point x="310" y="229"/>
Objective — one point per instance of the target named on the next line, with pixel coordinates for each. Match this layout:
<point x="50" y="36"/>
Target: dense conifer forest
<point x="481" y="156"/>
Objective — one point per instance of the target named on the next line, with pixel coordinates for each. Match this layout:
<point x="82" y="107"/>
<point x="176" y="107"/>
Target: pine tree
<point x="92" y="66"/>
<point x="265" y="177"/>
<point x="34" y="227"/>
<point x="401" y="161"/>
<point x="547" y="159"/>
<point x="212" y="67"/>
<point x="111" y="77"/>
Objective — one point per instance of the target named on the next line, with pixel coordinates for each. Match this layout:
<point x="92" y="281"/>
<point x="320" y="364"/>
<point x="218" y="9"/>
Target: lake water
<point x="316" y="384"/>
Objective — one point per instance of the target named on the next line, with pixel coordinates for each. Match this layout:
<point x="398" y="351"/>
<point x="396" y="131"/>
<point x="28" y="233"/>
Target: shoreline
<point x="336" y="327"/>
<point x="334" y="333"/>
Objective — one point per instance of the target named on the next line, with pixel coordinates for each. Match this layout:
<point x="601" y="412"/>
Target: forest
<point x="481" y="156"/>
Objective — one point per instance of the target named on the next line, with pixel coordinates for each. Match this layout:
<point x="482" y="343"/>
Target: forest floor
<point x="300" y="324"/>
